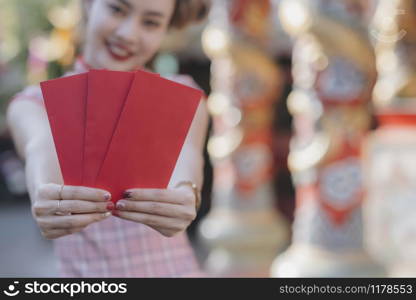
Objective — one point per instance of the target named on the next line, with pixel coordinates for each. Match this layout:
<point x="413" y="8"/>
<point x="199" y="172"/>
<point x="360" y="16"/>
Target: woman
<point x="144" y="235"/>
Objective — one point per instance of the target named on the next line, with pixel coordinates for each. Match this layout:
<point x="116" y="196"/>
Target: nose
<point x="128" y="31"/>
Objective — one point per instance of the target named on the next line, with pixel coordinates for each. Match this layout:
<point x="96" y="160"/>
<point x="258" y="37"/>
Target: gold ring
<point x="58" y="210"/>
<point x="195" y="190"/>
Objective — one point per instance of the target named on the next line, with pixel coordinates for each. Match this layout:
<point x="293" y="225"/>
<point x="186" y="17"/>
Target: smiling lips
<point x="118" y="52"/>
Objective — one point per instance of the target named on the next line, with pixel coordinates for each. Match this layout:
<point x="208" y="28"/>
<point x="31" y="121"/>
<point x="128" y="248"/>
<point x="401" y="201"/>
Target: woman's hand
<point x="62" y="210"/>
<point x="169" y="211"/>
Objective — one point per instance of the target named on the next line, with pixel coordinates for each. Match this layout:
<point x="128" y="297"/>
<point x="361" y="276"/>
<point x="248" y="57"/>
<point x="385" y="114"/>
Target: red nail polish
<point x="120" y="205"/>
<point x="110" y="206"/>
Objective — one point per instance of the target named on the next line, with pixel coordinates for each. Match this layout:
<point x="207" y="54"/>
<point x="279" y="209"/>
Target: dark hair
<point x="189" y="11"/>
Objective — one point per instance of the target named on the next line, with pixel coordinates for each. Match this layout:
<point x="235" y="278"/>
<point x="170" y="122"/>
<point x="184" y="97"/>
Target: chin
<point x="104" y="62"/>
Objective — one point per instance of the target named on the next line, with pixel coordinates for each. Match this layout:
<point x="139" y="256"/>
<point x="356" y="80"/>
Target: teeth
<point x="118" y="51"/>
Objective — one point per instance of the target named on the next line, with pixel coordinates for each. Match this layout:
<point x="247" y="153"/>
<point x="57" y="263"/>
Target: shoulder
<point x="32" y="93"/>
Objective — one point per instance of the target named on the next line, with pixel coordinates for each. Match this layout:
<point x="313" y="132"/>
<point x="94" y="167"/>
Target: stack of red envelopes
<point x="118" y="130"/>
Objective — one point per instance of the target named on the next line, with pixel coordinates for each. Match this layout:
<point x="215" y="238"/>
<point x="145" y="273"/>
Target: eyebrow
<point x="152" y="13"/>
<point x="126" y="3"/>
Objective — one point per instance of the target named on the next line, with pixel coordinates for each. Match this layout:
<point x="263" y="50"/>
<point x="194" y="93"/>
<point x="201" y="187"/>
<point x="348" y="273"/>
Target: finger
<point x="84" y="193"/>
<point x="49" y="191"/>
<point x="152" y="220"/>
<point x="44" y="208"/>
<point x="56" y="233"/>
<point x="174" y="196"/>
<point x="53" y="191"/>
<point x="83" y="207"/>
<point x="158" y="208"/>
<point x="71" y="221"/>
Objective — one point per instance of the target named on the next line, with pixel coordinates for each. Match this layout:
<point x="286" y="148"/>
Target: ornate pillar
<point x="391" y="149"/>
<point x="243" y="231"/>
<point x="334" y="73"/>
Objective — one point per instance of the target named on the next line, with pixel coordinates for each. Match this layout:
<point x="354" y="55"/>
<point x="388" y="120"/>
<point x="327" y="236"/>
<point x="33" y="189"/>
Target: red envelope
<point x="65" y="100"/>
<point x="149" y="136"/>
<point x="107" y="92"/>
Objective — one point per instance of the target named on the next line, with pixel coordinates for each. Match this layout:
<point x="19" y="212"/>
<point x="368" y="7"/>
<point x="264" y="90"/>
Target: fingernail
<point x="127" y="194"/>
<point x="110" y="205"/>
<point x="107" y="196"/>
<point x="120" y="205"/>
<point x="107" y="214"/>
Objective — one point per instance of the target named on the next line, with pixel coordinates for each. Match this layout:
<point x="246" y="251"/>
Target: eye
<point x="116" y="9"/>
<point x="151" y="24"/>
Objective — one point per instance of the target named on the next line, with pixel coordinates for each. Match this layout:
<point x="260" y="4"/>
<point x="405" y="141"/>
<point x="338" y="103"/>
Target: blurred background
<point x="310" y="161"/>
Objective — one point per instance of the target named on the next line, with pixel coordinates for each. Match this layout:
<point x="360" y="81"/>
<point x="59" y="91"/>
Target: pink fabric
<point x="119" y="248"/>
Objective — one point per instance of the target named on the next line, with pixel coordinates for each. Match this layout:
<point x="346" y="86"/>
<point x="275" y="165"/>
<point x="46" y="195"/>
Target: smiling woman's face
<point x="125" y="34"/>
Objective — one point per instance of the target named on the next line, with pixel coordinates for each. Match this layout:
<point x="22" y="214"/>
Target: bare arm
<point x="33" y="140"/>
<point x="31" y="134"/>
<point x="191" y="161"/>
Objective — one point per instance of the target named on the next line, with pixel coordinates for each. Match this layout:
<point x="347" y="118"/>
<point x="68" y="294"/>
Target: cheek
<point x="153" y="42"/>
<point x="99" y="26"/>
